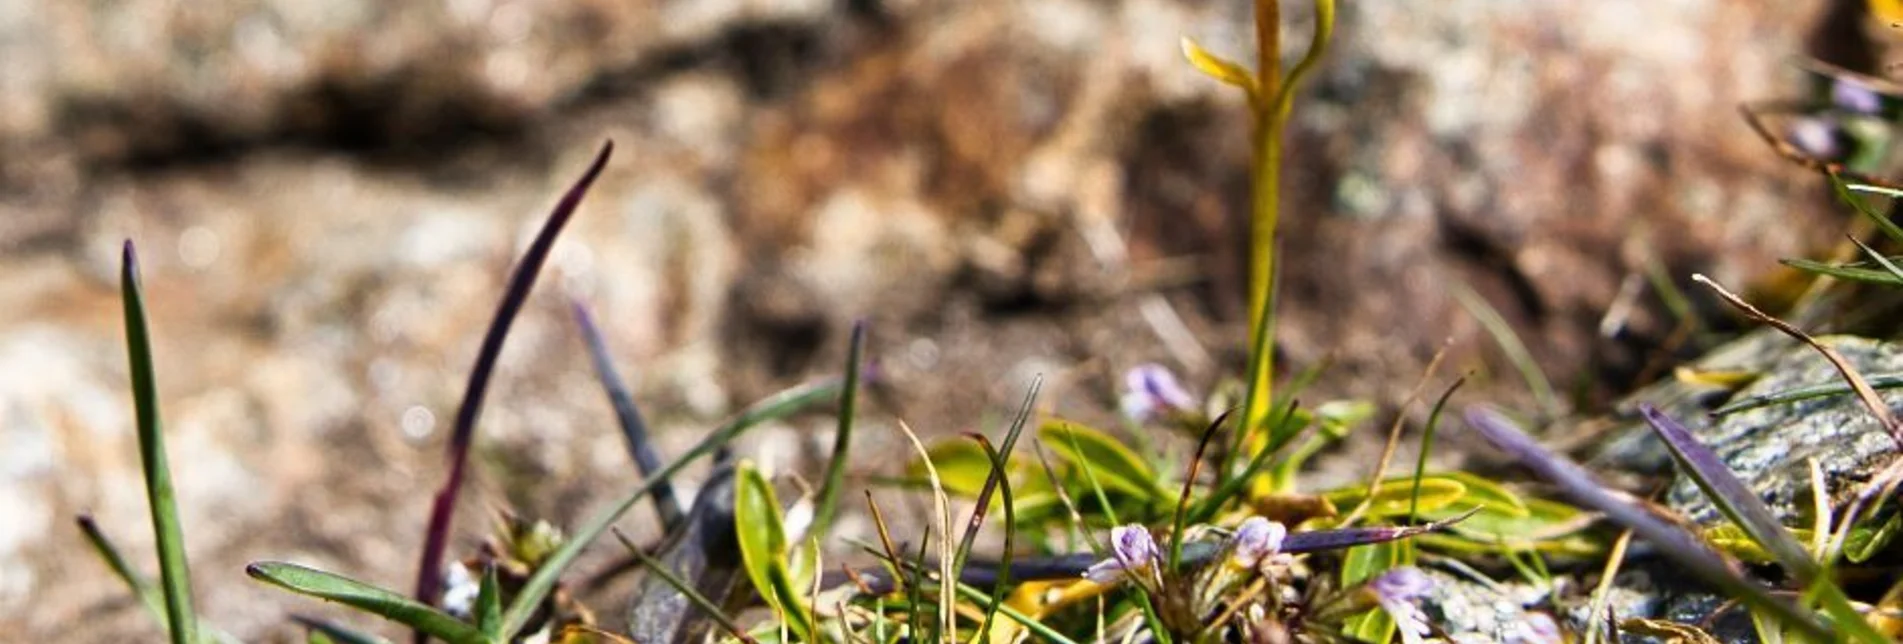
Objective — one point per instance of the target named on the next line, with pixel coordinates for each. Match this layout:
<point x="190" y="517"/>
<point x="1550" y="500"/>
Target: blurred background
<point x="328" y="196"/>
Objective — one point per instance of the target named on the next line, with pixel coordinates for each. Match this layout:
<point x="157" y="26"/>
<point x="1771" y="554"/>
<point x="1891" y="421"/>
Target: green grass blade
<point x="367" y="598"/>
<point x="1510" y="343"/>
<point x="1000" y="461"/>
<point x="321" y="630"/>
<point x="1844" y="272"/>
<point x="543" y="581"/>
<point x="489" y="606"/>
<point x="1883" y="223"/>
<point x="175" y="576"/>
<point x="141" y="587"/>
<point x="1427" y="447"/>
<point x="835" y="481"/>
<point x="996" y="477"/>
<point x="1878" y="382"/>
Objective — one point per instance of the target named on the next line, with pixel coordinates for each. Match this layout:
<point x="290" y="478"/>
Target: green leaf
<point x="367" y="598"/>
<point x="962" y="466"/>
<point x="763" y="548"/>
<point x="175" y="575"/>
<point x="1396" y="494"/>
<point x="1219" y="68"/>
<point x="1115" y="466"/>
<point x="1865" y="542"/>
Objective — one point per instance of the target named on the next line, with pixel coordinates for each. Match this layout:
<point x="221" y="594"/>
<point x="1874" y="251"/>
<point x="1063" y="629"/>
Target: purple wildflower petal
<point x="1151" y="390"/>
<point x="1816" y="137"/>
<point x="1257" y="538"/>
<point x="1854" y="96"/>
<point x="1537" y="628"/>
<point x="1396" y="590"/>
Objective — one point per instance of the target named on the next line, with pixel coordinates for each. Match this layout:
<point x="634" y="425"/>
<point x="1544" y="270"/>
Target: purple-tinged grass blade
<point x="1579" y="486"/>
<point x="1318" y="540"/>
<point x="1744" y="508"/>
<point x="443" y="508"/>
<point x="633" y="428"/>
<point x="1737" y="501"/>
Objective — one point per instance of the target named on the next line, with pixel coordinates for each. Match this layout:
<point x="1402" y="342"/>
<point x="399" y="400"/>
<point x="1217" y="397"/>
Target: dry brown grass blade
<point x="1865" y="393"/>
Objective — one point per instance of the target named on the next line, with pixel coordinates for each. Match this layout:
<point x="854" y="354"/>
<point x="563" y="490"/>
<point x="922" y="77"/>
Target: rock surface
<point x="328" y="196"/>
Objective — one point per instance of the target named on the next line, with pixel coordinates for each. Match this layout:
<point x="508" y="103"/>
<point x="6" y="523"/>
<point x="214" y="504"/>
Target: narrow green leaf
<point x="1878" y="382"/>
<point x="1397" y="496"/>
<point x="835" y="481"/>
<point x="1883" y="222"/>
<point x="327" y="632"/>
<point x="1115" y="465"/>
<point x="543" y="581"/>
<point x="367" y="598"/>
<point x="489" y="606"/>
<point x="174" y="573"/>
<point x="142" y="588"/>
<point x="1510" y="344"/>
<point x="763" y="549"/>
<point x="996" y="474"/>
<point x="1845" y="272"/>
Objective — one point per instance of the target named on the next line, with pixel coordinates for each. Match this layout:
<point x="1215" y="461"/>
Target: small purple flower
<point x="1255" y="540"/>
<point x="1817" y="137"/>
<point x="1132" y="551"/>
<point x="1854" y="96"/>
<point x="1396" y="590"/>
<point x="1537" y="628"/>
<point x="1151" y="390"/>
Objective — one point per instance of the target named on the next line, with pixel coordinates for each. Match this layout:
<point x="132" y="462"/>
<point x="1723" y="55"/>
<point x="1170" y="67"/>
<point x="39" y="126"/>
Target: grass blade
<point x="997" y="476"/>
<point x="175" y="576"/>
<point x="141" y="587"/>
<point x="1744" y="508"/>
<point x="633" y="428"/>
<point x="489" y="605"/>
<point x="367" y="598"/>
<point x="543" y="581"/>
<point x="835" y="481"/>
<point x="1698" y="560"/>
<point x="1000" y="461"/>
<point x="443" y="507"/>
<point x="1878" y="382"/>
<point x="335" y="632"/>
<point x="1730" y="495"/>
<point x="1509" y="341"/>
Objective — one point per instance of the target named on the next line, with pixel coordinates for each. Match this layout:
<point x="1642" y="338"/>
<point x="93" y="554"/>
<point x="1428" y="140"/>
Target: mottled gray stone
<point x="1769" y="447"/>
